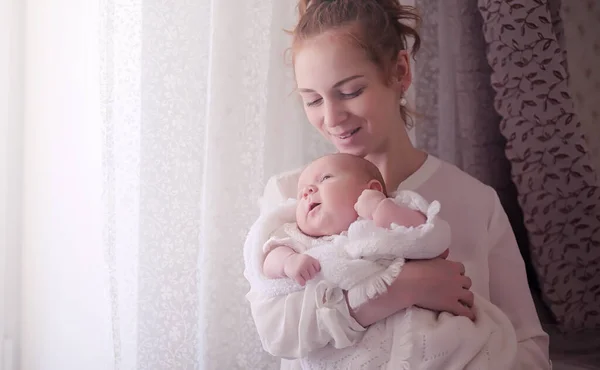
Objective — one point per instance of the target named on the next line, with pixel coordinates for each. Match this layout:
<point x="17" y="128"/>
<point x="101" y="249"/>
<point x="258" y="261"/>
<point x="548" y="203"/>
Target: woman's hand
<point x="436" y="284"/>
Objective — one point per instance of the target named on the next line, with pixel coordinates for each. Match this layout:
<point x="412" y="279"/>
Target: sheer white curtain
<point x="11" y="159"/>
<point x="149" y="130"/>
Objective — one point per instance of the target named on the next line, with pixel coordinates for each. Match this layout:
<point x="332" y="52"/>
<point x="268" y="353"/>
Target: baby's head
<point x="328" y="188"/>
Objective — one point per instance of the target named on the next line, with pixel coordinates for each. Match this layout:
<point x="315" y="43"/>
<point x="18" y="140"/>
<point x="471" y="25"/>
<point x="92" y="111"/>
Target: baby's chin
<point x="310" y="231"/>
<point x="328" y="230"/>
<point x="315" y="231"/>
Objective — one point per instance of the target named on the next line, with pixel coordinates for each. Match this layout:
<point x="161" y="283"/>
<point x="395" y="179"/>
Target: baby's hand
<point x="301" y="267"/>
<point x="367" y="203"/>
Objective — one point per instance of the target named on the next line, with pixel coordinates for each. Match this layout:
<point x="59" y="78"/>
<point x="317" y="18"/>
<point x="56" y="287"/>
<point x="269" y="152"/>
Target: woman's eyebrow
<point x="337" y="84"/>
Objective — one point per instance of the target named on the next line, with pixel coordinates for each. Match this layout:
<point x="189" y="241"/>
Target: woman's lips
<point x="347" y="134"/>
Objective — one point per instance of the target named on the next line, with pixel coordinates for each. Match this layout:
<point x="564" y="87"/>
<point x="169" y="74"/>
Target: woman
<point x="352" y="70"/>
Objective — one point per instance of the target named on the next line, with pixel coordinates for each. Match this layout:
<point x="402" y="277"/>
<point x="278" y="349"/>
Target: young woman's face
<point x="346" y="96"/>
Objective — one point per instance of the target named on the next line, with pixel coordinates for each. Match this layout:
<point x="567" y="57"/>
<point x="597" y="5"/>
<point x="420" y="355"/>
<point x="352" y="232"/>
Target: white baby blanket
<point x="364" y="261"/>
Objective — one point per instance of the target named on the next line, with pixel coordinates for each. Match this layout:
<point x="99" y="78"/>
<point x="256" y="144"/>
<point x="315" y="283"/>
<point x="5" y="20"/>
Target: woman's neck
<point x="398" y="161"/>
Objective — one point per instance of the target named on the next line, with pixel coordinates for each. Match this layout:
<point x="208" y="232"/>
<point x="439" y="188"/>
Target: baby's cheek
<point x="300" y="219"/>
<point x="343" y="219"/>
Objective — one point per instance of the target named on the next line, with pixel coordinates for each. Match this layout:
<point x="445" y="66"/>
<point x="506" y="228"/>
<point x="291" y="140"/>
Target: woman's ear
<point x="401" y="73"/>
<point x="375" y="185"/>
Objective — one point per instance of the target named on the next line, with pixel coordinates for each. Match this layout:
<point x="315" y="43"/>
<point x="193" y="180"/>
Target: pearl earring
<point x="403" y="101"/>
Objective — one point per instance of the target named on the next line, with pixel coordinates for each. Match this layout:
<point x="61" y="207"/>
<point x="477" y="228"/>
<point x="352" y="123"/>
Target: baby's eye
<point x="326" y="177"/>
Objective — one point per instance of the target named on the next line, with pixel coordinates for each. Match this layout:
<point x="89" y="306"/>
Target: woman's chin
<point x="359" y="151"/>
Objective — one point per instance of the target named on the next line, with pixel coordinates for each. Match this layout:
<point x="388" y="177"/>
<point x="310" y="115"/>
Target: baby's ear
<point x="375" y="185"/>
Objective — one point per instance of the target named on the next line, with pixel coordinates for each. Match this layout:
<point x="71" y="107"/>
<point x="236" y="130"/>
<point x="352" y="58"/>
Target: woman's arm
<point x="437" y="284"/>
<point x="509" y="291"/>
<point x="292" y="326"/>
<point x="296" y="324"/>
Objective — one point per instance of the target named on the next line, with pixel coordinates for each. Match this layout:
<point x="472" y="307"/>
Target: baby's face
<point x="327" y="191"/>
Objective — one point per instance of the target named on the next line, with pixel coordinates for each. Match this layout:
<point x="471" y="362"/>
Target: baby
<point x="343" y="231"/>
<point x="333" y="192"/>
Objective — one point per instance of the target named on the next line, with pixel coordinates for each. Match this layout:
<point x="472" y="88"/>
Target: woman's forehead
<point x="325" y="60"/>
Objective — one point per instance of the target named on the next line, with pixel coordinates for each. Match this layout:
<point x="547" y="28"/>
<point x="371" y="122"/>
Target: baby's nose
<point x="310" y="189"/>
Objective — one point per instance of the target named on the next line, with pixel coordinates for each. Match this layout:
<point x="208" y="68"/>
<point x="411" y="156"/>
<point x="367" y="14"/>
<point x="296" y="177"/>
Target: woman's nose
<point x="334" y="114"/>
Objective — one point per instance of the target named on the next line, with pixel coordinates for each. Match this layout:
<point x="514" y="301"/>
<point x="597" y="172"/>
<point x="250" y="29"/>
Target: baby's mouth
<point x="312" y="206"/>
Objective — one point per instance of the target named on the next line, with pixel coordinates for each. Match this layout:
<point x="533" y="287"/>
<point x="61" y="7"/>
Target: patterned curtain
<point x="552" y="166"/>
<point x="582" y="41"/>
<point x="456" y="119"/>
<point x="507" y="117"/>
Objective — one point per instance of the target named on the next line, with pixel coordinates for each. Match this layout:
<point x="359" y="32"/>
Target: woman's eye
<point x="314" y="102"/>
<point x="352" y="94"/>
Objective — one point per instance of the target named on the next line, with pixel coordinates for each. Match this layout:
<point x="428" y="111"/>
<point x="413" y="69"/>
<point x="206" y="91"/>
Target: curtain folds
<point x="498" y="80"/>
<point x="149" y="131"/>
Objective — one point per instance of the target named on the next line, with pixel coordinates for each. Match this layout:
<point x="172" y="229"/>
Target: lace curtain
<point x="11" y="133"/>
<point x="149" y="130"/>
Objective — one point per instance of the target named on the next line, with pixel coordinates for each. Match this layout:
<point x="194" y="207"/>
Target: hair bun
<point x="302" y="6"/>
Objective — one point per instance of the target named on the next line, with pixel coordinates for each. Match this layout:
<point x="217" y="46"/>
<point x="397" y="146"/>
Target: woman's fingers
<point x="462" y="310"/>
<point x="467" y="298"/>
<point x="466" y="282"/>
<point x="461" y="268"/>
<point x="445" y="254"/>
<point x="440" y="285"/>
